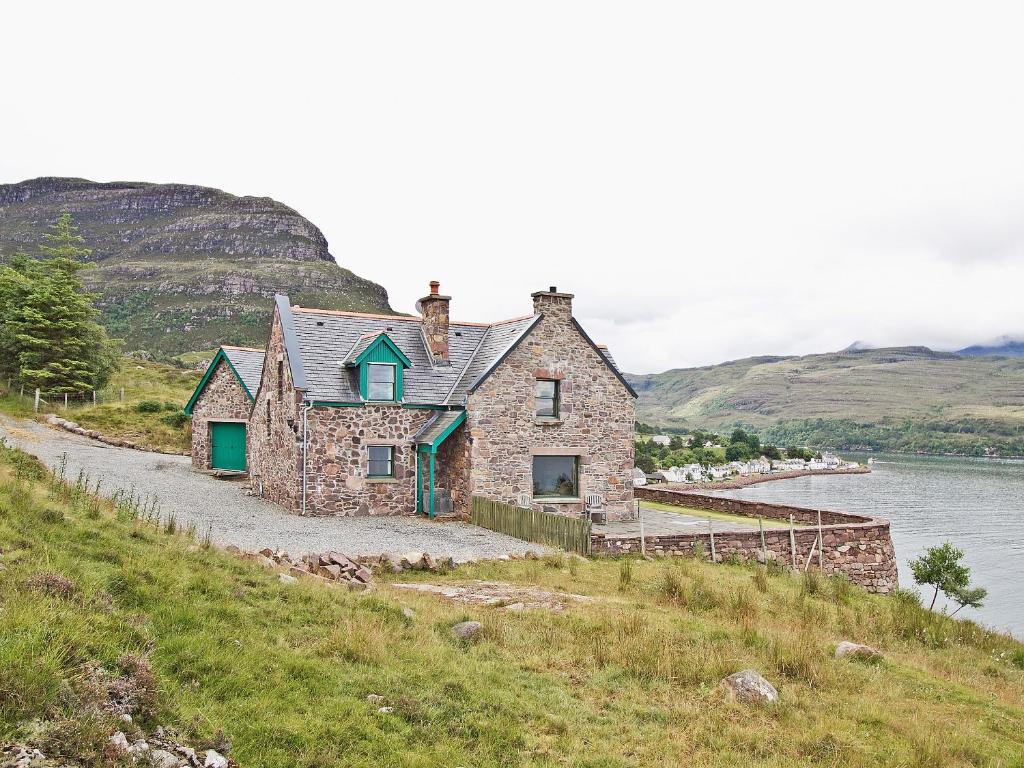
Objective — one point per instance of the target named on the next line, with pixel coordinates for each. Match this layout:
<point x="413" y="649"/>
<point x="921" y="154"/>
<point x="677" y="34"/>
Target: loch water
<point x="977" y="504"/>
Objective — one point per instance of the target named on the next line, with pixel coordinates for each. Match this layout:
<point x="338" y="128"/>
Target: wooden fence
<point x="570" y="533"/>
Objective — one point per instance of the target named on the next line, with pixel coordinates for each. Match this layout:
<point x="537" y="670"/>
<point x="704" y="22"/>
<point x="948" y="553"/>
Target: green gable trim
<point x="206" y="377"/>
<point x="374" y="354"/>
<point x="335" y="404"/>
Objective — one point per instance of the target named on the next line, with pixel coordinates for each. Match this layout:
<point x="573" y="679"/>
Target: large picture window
<point x="380" y="381"/>
<point x="556" y="476"/>
<point x="382" y="461"/>
<point x="545" y="398"/>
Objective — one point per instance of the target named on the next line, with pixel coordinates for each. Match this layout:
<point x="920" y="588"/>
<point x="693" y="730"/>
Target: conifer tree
<point x="50" y="338"/>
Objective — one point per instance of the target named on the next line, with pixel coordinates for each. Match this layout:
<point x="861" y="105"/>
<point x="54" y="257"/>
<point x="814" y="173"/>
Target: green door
<point x="228" y="440"/>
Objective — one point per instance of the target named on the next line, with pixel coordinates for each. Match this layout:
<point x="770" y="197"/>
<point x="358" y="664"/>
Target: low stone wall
<point x="857" y="546"/>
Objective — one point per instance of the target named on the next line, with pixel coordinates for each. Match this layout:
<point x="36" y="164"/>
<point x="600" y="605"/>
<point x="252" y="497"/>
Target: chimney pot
<point x="553" y="289"/>
<point x="435" y="287"/>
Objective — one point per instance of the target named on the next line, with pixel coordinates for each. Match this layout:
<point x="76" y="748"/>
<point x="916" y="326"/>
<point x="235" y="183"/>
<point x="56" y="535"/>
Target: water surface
<point x="978" y="504"/>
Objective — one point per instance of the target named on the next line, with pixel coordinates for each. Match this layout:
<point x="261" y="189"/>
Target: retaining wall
<point x="857" y="546"/>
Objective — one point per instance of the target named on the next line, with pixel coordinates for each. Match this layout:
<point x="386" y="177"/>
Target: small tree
<point x="940" y="567"/>
<point x="971" y="597"/>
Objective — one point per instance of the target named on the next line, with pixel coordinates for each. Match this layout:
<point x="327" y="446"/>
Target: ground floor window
<point x="556" y="476"/>
<point x="382" y="461"/>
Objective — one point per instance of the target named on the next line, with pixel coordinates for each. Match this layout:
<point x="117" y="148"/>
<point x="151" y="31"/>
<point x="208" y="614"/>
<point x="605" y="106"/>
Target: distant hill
<point x="905" y="398"/>
<point x="179" y="267"/>
<point x="1005" y="347"/>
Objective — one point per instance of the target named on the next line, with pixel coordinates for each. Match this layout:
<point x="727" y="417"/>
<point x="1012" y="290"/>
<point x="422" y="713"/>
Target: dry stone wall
<point x="857" y="546"/>
<point x="596" y="418"/>
<point x="222" y="399"/>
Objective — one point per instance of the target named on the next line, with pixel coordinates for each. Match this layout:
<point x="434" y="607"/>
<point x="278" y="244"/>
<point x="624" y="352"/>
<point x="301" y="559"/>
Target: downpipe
<point x="306" y="407"/>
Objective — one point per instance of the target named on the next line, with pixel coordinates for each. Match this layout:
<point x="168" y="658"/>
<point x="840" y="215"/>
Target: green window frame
<point x="380" y="461"/>
<point x="556" y="477"/>
<point x="546" y="403"/>
<point x="381" y="382"/>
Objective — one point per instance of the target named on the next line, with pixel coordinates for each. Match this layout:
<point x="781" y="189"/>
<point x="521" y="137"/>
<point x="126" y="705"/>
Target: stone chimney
<point x="434" y="309"/>
<point x="553" y="304"/>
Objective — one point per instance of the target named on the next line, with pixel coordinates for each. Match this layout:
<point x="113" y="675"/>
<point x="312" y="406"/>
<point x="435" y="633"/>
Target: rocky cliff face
<point x="179" y="267"/>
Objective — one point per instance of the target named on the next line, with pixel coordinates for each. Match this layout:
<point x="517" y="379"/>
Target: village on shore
<point x="752" y="469"/>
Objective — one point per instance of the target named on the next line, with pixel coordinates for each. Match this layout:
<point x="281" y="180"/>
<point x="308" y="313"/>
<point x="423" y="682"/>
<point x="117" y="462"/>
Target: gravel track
<point x="247" y="522"/>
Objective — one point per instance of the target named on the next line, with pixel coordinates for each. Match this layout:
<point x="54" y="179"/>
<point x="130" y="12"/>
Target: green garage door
<point x="228" y="440"/>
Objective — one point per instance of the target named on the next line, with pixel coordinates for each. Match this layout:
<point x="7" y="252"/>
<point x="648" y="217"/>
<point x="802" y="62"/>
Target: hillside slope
<point x="181" y="267"/>
<point x="296" y="674"/>
<point x="909" y="398"/>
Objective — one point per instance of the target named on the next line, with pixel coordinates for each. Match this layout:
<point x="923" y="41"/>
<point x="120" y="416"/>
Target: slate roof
<point x="249" y="365"/>
<point x="434" y="428"/>
<point x="321" y="342"/>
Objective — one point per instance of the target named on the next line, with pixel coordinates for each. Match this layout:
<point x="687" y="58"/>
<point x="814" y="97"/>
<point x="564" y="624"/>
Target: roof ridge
<point x="407" y="318"/>
<point x="243" y="349"/>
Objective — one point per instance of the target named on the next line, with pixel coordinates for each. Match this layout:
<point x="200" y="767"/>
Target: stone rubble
<point x="75" y="428"/>
<point x="162" y="749"/>
<point x="500" y="595"/>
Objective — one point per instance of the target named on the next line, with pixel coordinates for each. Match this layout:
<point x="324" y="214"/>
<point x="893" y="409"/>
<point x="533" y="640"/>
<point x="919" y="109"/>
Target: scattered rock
<point x="847" y="649"/>
<point x="500" y="594"/>
<point x="408" y="612"/>
<point x="215" y="759"/>
<point x="412" y="560"/>
<point x="386" y="710"/>
<point x="467" y="630"/>
<point x="120" y="742"/>
<point x="161" y="758"/>
<point x="750" y="687"/>
<point x="139" y="748"/>
<point x="286" y="578"/>
<point x="375" y="698"/>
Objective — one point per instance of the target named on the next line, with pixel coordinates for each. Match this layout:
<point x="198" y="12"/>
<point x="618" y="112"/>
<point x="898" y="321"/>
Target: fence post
<point x="711" y="532"/>
<point x="122" y="394"/>
<point x="821" y="545"/>
<point x="65" y="401"/>
<point x="792" y="542"/>
<point x="94" y="397"/>
<point x="643" y="542"/>
<point x="764" y="548"/>
<point x="35" y="405"/>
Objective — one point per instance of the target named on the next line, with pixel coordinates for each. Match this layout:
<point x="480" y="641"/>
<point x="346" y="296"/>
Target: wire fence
<point x="52" y="402"/>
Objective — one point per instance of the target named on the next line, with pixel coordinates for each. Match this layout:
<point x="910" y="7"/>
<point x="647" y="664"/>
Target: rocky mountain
<point x="904" y="398"/>
<point x="179" y="267"/>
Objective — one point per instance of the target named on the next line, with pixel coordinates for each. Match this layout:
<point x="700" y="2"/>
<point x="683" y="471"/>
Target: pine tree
<point x="50" y="338"/>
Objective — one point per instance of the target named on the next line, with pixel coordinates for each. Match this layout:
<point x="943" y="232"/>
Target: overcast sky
<point x="712" y="180"/>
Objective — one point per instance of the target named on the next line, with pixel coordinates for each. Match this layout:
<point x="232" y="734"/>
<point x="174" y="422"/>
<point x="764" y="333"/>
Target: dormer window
<point x="381" y="365"/>
<point x="380" y="382"/>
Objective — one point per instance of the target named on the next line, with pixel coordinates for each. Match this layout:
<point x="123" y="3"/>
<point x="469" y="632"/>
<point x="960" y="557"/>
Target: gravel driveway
<point x="247" y="522"/>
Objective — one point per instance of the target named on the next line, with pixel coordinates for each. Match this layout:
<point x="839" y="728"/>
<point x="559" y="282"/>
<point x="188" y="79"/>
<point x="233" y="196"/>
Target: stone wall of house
<point x="596" y="417"/>
<point x="275" y="443"/>
<point x="222" y="399"/>
<point x="337" y="460"/>
<point x="857" y="546"/>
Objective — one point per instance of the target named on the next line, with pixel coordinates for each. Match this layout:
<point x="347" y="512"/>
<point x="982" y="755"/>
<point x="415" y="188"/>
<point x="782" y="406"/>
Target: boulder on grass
<point x="412" y="560"/>
<point x="848" y="650"/>
<point x="467" y="630"/>
<point x="750" y="687"/>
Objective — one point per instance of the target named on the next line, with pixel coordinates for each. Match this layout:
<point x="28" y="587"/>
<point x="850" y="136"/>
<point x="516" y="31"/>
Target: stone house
<point x="220" y="409"/>
<point x="359" y="414"/>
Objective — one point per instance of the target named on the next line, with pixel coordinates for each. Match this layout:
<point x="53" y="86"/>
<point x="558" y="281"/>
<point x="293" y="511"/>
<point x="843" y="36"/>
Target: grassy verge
<point x="627" y="680"/>
<point x="151" y="414"/>
<point x="708" y="514"/>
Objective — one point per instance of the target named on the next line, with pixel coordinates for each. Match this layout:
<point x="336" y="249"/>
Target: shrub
<point x="52" y="584"/>
<point x="148" y="406"/>
<point x="176" y="419"/>
<point x="811" y="583"/>
<point x="625" y="573"/>
<point x="761" y="579"/>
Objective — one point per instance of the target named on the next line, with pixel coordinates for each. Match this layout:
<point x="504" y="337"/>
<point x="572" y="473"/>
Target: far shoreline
<point x="744" y="481"/>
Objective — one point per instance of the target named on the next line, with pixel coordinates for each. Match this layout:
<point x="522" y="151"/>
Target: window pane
<point x="380" y="382"/>
<point x="545" y="399"/>
<point x="381" y="460"/>
<point x="555" y="476"/>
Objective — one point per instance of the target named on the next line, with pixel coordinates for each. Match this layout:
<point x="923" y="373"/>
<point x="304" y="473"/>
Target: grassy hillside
<point x="910" y="399"/>
<point x="629" y="679"/>
<point x="179" y="267"/>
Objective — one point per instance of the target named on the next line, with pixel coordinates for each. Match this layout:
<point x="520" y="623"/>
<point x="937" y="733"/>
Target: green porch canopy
<point x="428" y="440"/>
